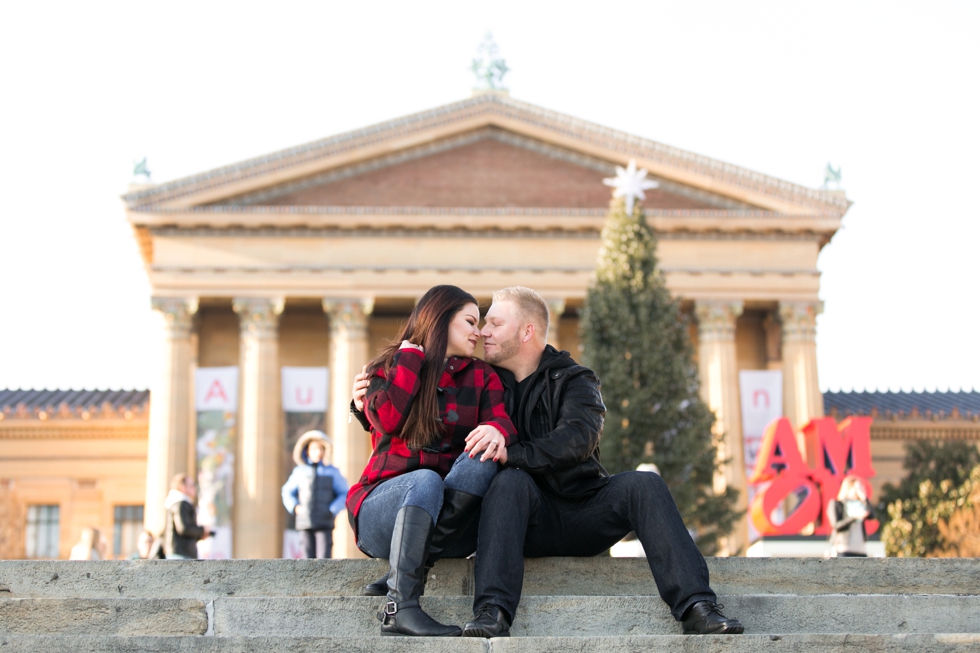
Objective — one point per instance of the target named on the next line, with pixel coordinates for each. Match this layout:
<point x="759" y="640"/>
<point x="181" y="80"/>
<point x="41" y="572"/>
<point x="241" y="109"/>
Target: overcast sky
<point x="889" y="91"/>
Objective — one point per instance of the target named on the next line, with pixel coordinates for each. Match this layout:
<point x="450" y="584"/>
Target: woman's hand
<point x="488" y="439"/>
<point x="359" y="389"/>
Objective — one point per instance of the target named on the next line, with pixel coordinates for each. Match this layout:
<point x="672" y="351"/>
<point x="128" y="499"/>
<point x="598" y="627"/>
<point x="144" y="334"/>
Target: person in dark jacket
<point x="553" y="497"/>
<point x="315" y="492"/>
<point x="418" y="495"/>
<point x="182" y="532"/>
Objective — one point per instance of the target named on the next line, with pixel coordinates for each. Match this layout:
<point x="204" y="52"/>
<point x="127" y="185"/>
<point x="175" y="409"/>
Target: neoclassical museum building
<point x="311" y="257"/>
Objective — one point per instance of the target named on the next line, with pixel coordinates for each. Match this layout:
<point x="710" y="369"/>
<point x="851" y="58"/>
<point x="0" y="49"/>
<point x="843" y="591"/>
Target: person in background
<point x="145" y="548"/>
<point x="182" y="532"/>
<point x="89" y="546"/>
<point x="315" y="492"/>
<point x="847" y="514"/>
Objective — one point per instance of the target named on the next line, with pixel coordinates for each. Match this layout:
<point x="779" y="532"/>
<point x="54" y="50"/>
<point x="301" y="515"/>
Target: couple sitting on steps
<point x="502" y="458"/>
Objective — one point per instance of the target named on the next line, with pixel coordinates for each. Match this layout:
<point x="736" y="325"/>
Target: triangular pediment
<point x="485" y="168"/>
<point x="488" y="151"/>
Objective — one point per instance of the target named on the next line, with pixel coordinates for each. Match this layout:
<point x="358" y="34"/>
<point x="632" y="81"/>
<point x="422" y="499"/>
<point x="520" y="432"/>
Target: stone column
<point x="351" y="443"/>
<point x="171" y="404"/>
<point x="802" y="400"/>
<point x="556" y="306"/>
<point x="719" y="388"/>
<point x="258" y="461"/>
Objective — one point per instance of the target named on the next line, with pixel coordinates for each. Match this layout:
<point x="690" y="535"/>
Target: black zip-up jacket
<point x="559" y="423"/>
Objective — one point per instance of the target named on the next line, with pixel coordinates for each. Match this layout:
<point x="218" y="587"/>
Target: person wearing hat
<point x="315" y="492"/>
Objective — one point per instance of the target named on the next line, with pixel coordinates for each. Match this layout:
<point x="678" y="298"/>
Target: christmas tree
<point x="637" y="341"/>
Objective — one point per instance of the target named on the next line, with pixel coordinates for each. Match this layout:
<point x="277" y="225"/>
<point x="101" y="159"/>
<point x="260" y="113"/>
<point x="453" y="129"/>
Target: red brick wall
<point x="486" y="174"/>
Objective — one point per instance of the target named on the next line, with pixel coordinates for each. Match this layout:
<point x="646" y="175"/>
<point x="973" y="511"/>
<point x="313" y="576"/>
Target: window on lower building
<point x="43" y="531"/>
<point x="127" y="529"/>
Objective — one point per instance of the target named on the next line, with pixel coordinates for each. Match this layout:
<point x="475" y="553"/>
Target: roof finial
<point x="488" y="68"/>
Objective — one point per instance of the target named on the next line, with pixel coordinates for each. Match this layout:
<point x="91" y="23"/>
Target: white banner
<point x="216" y="398"/>
<point x="216" y="388"/>
<point x="761" y="393"/>
<point x="304" y="389"/>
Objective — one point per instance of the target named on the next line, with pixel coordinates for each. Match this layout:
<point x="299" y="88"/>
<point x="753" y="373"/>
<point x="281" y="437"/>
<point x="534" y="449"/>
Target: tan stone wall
<point x="217" y="329"/>
<point x="86" y="468"/>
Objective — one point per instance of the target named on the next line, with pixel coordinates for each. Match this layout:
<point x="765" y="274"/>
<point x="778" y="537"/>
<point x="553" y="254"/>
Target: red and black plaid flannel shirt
<point x="470" y="394"/>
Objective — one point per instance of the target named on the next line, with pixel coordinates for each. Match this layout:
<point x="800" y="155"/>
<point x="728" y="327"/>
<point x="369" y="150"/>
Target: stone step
<point x="103" y="617"/>
<point x="601" y="576"/>
<point x="592" y="616"/>
<point x="538" y="616"/>
<point x="787" y="643"/>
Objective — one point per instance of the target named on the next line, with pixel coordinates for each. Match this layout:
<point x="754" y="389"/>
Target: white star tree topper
<point x="630" y="183"/>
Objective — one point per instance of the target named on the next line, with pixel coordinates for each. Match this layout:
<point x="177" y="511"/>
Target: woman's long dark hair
<point x="428" y="325"/>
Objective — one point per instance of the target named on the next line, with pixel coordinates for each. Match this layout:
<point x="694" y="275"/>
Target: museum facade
<point x="311" y="257"/>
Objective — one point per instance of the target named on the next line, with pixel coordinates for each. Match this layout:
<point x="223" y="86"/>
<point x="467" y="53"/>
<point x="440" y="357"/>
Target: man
<point x="553" y="483"/>
<point x="181" y="533"/>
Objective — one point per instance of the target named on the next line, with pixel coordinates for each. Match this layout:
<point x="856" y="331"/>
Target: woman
<point x="847" y="514"/>
<point x="89" y="546"/>
<point x="426" y="395"/>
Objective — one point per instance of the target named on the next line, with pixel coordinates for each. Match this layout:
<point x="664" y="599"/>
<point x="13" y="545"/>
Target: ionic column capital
<point x="716" y="318"/>
<point x="178" y="314"/>
<point x="258" y="316"/>
<point x="799" y="320"/>
<point x="348" y="316"/>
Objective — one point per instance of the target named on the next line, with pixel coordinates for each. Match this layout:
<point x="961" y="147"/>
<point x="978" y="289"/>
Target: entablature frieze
<point x="276" y="219"/>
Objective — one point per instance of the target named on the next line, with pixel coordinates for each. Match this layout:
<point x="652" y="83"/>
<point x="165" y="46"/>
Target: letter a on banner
<point x="216" y="394"/>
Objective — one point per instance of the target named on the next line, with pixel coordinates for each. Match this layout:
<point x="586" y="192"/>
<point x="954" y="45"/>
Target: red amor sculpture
<point x="834" y="451"/>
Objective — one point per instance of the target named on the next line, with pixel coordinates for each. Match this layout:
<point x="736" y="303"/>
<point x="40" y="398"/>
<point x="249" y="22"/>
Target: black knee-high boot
<point x="402" y="614"/>
<point x="459" y="509"/>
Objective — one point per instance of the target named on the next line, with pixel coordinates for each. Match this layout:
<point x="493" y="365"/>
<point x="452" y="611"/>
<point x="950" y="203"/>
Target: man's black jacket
<point x="559" y="423"/>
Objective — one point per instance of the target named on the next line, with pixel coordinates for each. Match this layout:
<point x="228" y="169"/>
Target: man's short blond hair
<point x="530" y="306"/>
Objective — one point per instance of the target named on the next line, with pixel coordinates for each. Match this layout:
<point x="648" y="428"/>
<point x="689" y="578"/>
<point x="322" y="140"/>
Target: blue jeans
<point x="422" y="488"/>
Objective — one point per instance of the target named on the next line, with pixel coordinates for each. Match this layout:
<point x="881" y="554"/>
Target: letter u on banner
<point x="304" y="402"/>
<point x="216" y="402"/>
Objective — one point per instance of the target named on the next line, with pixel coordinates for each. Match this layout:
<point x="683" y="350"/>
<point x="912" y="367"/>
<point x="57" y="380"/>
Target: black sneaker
<point x="489" y="621"/>
<point x="705" y="618"/>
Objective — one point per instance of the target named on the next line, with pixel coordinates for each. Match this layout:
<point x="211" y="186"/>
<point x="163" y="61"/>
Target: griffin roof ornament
<point x="140" y="171"/>
<point x="488" y="68"/>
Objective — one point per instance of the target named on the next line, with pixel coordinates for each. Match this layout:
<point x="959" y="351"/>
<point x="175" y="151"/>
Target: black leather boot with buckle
<point x="402" y="614"/>
<point x="459" y="509"/>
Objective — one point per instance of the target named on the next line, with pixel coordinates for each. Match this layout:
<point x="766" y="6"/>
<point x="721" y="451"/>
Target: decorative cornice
<point x="375" y="267"/>
<point x="178" y="315"/>
<point x="348" y="318"/>
<point x="882" y="429"/>
<point x="799" y="320"/>
<point x="64" y="412"/>
<point x="258" y="316"/>
<point x="716" y="319"/>
<point x="428" y="232"/>
<point x="507" y="110"/>
<point x="137" y="429"/>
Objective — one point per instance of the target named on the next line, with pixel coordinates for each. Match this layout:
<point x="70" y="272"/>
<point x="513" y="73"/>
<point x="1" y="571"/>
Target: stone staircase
<point x="570" y="605"/>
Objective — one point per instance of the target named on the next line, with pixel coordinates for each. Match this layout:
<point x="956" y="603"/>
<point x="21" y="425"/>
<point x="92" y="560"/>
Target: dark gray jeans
<point x="423" y="488"/>
<point x="519" y="520"/>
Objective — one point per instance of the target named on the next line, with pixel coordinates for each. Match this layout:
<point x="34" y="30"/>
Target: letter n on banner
<point x="304" y="402"/>
<point x="216" y="402"/>
<point x="761" y="393"/>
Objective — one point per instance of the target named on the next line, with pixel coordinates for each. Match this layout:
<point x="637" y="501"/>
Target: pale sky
<point x="889" y="91"/>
